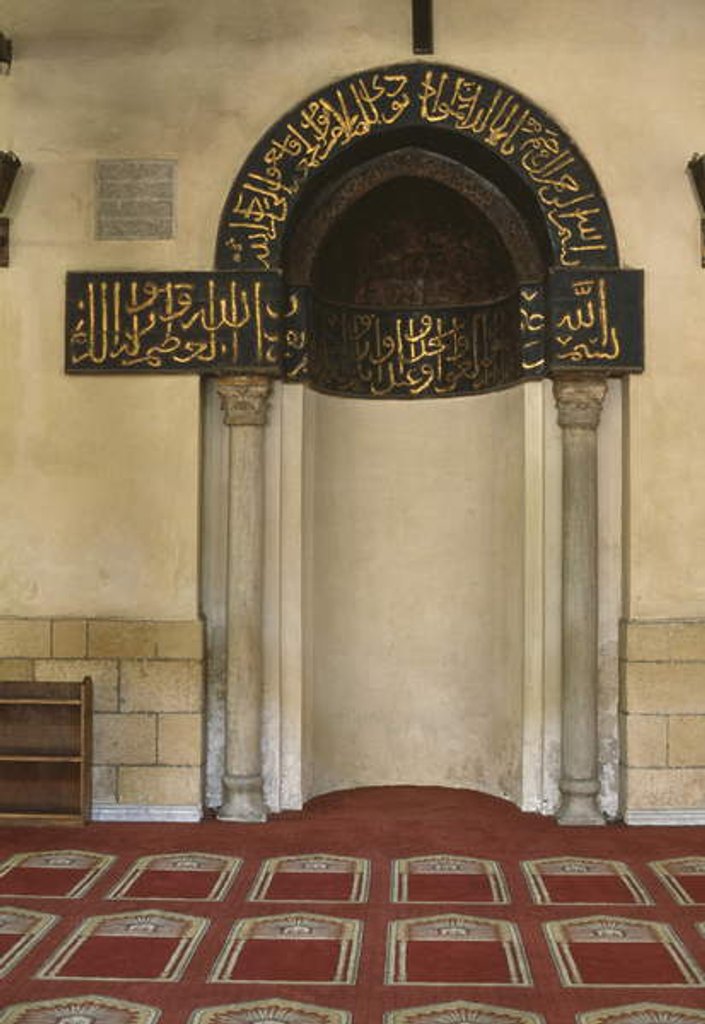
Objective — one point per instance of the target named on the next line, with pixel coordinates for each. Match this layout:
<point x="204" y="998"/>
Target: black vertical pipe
<point x="422" y="14"/>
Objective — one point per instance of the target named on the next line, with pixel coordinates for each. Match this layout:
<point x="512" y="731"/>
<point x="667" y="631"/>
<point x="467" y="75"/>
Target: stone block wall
<point x="147" y="704"/>
<point x="663" y="721"/>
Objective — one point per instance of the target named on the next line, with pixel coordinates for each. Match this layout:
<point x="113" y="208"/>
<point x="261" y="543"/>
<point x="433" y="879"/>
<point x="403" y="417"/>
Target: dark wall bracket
<point x="9" y="166"/>
<point x="4" y="242"/>
<point x="696" y="170"/>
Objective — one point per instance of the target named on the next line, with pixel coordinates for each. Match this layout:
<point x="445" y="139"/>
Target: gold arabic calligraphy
<point x="505" y="123"/>
<point x="435" y="353"/>
<point x="585" y="332"/>
<point x="138" y="321"/>
<point x="323" y="125"/>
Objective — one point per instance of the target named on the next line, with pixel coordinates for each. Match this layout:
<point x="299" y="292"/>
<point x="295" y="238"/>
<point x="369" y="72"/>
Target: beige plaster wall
<point x="90" y="506"/>
<point x="98" y="502"/>
<point x="416" y="603"/>
<point x="626" y="78"/>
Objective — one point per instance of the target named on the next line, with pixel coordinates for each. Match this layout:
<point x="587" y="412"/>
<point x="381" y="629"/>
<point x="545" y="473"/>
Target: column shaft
<point x="244" y="403"/>
<point x="579" y="401"/>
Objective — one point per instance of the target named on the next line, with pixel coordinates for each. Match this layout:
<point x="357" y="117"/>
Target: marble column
<point x="244" y="403"/>
<point x="579" y="401"/>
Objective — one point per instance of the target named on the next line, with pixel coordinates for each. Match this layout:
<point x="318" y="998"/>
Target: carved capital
<point x="243" y="400"/>
<point x="579" y="400"/>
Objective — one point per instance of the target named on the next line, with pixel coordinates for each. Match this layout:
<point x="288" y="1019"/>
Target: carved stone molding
<point x="243" y="400"/>
<point x="579" y="400"/>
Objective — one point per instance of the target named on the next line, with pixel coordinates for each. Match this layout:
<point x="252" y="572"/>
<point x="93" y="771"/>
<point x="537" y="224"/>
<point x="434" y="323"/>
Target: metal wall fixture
<point x="10" y="164"/>
<point x="5" y="54"/>
<point x="696" y="170"/>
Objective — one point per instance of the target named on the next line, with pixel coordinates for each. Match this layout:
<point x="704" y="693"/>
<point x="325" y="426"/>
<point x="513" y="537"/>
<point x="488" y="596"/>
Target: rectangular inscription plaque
<point x="190" y="322"/>
<point x="596" y="320"/>
<point x="135" y="199"/>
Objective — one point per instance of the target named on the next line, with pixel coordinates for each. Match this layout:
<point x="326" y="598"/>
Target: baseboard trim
<point x="146" y="812"/>
<point x="666" y="816"/>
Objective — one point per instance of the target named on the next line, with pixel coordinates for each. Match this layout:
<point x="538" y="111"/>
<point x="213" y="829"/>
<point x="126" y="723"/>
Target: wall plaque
<point x="135" y="199"/>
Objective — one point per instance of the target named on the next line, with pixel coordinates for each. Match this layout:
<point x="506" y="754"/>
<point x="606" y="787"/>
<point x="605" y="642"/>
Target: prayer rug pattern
<point x="442" y="878"/>
<point x="20" y="931"/>
<point x="684" y="878"/>
<point x="603" y="951"/>
<point x="80" y="1010"/>
<point x="270" y="1011"/>
<point x="643" y="1013"/>
<point x="583" y="880"/>
<point x="454" y="949"/>
<point x="178" y="876"/>
<point x="461" y="1012"/>
<point x="61" y="874"/>
<point x="314" y="877"/>
<point x="147" y="945"/>
<point x="292" y="948"/>
<point x="420" y="847"/>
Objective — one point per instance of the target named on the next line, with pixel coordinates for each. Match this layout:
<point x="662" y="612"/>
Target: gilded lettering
<point x="160" y="322"/>
<point x="584" y="332"/>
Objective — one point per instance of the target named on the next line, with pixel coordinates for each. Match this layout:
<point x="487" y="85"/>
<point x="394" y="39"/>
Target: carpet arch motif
<point x="20" y="931"/>
<point x="643" y="1013"/>
<point x="60" y="874"/>
<point x="270" y="1011"/>
<point x="188" y="875"/>
<point x="455" y="949"/>
<point x="460" y="1012"/>
<point x="446" y="878"/>
<point x="586" y="880"/>
<point x="143" y="945"/>
<point x="683" y="877"/>
<point x="80" y="1010"/>
<point x="292" y="948"/>
<point x="602" y="950"/>
<point x="312" y="878"/>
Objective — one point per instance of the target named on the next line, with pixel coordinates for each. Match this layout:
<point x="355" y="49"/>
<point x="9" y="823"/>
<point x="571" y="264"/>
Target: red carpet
<point x="378" y="906"/>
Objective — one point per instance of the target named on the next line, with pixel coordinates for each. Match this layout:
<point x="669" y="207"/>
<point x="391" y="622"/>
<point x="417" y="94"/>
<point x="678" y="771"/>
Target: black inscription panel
<point x="533" y="329"/>
<point x="219" y="322"/>
<point x="412" y="354"/>
<point x="187" y="322"/>
<point x="421" y="95"/>
<point x="597" y="321"/>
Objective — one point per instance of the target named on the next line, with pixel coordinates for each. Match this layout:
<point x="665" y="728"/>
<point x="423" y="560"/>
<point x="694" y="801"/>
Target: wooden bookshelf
<point x="45" y="752"/>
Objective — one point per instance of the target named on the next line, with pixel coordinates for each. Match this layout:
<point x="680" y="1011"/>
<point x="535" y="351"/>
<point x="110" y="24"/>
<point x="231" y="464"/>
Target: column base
<point x="579" y="804"/>
<point x="243" y="799"/>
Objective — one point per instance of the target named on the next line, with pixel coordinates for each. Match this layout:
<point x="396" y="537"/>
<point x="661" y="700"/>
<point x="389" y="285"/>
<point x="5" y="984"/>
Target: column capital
<point x="243" y="400"/>
<point x="579" y="399"/>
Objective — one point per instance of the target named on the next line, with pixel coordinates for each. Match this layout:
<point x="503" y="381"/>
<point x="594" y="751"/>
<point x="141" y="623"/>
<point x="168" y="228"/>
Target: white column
<point x="244" y="402"/>
<point x="579" y="400"/>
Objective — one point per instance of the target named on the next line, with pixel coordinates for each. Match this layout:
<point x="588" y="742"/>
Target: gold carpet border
<point x="643" y="1013"/>
<point x="268" y="1011"/>
<point x="314" y="864"/>
<point x="617" y="930"/>
<point x="535" y="871"/>
<point x="96" y="1009"/>
<point x="95" y="864"/>
<point x="29" y="926"/>
<point x="149" y="923"/>
<point x="191" y="860"/>
<point x="455" y="928"/>
<point x="447" y="864"/>
<point x="292" y="927"/>
<point x="668" y="872"/>
<point x="461" y="1012"/>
